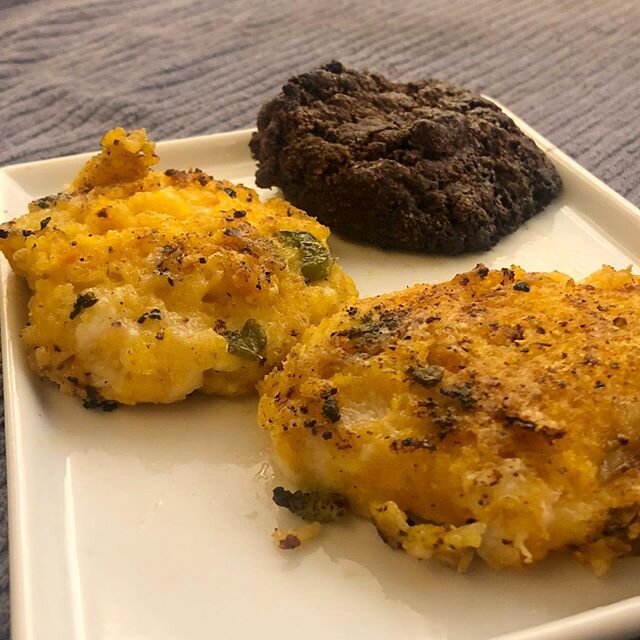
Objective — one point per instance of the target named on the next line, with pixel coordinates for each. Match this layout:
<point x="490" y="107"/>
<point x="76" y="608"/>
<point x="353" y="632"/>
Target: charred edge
<point x="153" y="314"/>
<point x="620" y="519"/>
<point x="550" y="433"/>
<point x="482" y="271"/>
<point x="95" y="401"/>
<point x="412" y="444"/>
<point x="428" y="376"/>
<point x="370" y="330"/>
<point x="83" y="301"/>
<point x="330" y="409"/>
<point x="45" y="203"/>
<point x="312" y="506"/>
<point x="460" y="392"/>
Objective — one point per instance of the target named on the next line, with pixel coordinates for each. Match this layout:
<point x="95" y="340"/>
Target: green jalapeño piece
<point x="250" y="342"/>
<point x="315" y="259"/>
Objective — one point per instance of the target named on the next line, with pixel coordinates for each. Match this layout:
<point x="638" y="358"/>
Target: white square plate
<point x="155" y="522"/>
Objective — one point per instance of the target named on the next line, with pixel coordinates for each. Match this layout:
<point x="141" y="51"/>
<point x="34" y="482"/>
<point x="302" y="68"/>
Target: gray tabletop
<point x="71" y="69"/>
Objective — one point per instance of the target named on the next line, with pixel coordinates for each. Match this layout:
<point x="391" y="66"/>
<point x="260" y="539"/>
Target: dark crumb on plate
<point x="290" y="541"/>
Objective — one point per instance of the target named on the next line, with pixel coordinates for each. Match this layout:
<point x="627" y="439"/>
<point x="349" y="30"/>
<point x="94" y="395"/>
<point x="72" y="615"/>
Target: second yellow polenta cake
<point x="147" y="286"/>
<point x="496" y="414"/>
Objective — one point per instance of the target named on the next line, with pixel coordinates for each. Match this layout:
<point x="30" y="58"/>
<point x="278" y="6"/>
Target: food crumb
<point x="292" y="538"/>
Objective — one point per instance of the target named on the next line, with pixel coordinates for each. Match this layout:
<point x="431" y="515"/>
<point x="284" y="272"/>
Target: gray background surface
<point x="70" y="70"/>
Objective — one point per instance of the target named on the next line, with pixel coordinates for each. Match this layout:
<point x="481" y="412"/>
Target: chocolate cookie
<point x="424" y="165"/>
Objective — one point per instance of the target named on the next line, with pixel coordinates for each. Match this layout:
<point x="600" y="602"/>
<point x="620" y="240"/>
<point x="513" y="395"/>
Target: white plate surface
<point x="155" y="523"/>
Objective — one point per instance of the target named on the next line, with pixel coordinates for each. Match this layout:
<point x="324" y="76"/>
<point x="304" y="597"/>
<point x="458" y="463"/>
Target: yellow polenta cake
<point x="496" y="414"/>
<point x="148" y="285"/>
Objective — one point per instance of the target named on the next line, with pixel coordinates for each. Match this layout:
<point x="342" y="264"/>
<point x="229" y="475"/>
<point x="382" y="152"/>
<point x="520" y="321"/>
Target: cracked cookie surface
<point x="424" y="165"/>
